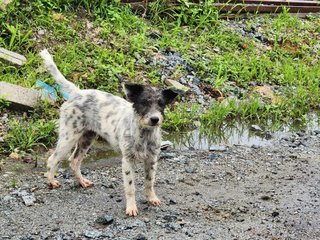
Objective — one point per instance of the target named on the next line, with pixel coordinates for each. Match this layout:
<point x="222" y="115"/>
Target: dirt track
<point x="240" y="192"/>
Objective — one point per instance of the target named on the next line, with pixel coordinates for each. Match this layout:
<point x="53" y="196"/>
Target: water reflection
<point x="239" y="134"/>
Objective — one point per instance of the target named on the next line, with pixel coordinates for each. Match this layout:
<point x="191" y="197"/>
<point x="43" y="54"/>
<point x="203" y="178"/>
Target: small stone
<point x="93" y="234"/>
<point x="135" y="224"/>
<point x="190" y="170"/>
<point x="176" y="85"/>
<point x="170" y="218"/>
<point x="172" y="201"/>
<point x="316" y="132"/>
<point x="275" y="214"/>
<point x="105" y="219"/>
<point x="166" y="144"/>
<point x="255" y="128"/>
<point x="41" y="32"/>
<point x="217" y="148"/>
<point x="265" y="198"/>
<point x="140" y="236"/>
<point x="22" y="193"/>
<point x="7" y="198"/>
<point x="254" y="146"/>
<point x="15" y="156"/>
<point x="28" y="200"/>
<point x="167" y="155"/>
<point x="173" y="226"/>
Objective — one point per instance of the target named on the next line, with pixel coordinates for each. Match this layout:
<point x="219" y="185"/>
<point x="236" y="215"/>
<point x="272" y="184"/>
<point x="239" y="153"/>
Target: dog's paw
<point x="132" y="211"/>
<point x="85" y="183"/>
<point x="155" y="201"/>
<point x="54" y="184"/>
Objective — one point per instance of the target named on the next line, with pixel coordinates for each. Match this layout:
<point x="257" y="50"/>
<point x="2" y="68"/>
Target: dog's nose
<point x="154" y="120"/>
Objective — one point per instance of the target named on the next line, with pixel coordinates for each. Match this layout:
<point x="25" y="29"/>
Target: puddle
<point x="238" y="134"/>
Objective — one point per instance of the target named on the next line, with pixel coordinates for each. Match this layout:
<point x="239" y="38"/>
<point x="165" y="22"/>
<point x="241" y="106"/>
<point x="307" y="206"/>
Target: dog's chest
<point x="146" y="146"/>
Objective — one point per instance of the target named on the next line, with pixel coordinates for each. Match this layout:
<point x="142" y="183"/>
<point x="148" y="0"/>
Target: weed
<point x="14" y="183"/>
<point x="4" y="104"/>
<point x="25" y="135"/>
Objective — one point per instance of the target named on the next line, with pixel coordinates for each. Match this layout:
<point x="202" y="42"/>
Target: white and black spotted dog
<point x="132" y="128"/>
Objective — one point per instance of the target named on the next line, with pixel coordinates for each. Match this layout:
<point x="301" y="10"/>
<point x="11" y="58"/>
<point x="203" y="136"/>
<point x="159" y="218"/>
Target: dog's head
<point x="149" y="103"/>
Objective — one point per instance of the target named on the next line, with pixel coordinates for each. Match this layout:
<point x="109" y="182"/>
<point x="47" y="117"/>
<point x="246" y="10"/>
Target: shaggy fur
<point x="132" y="128"/>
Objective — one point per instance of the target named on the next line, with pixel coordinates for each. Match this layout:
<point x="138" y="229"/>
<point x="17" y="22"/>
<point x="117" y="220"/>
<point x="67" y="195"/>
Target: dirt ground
<point x="236" y="192"/>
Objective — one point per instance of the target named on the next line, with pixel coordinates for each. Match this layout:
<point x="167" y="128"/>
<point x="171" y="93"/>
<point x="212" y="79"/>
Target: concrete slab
<point x="20" y="98"/>
<point x="12" y="57"/>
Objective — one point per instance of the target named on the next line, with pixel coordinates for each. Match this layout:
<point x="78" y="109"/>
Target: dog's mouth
<point x="144" y="123"/>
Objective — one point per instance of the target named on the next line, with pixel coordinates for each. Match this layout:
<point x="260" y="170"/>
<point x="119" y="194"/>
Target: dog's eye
<point x="161" y="103"/>
<point x="148" y="102"/>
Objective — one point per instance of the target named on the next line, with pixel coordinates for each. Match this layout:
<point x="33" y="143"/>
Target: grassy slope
<point x="94" y="42"/>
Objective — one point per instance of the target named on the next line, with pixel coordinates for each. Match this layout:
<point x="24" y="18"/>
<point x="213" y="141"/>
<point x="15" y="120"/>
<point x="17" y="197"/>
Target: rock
<point x="8" y="198"/>
<point x="265" y="198"/>
<point x="15" y="156"/>
<point x="93" y="234"/>
<point x="196" y="90"/>
<point x="105" y="219"/>
<point x="213" y="156"/>
<point x="217" y="148"/>
<point x="176" y="85"/>
<point x="21" y="193"/>
<point x="190" y="170"/>
<point x="140" y="236"/>
<point x="167" y="155"/>
<point x="135" y="224"/>
<point x="170" y="218"/>
<point x="316" y="132"/>
<point x="12" y="57"/>
<point x="254" y="146"/>
<point x="255" y="128"/>
<point x="20" y="98"/>
<point x="28" y="200"/>
<point x="166" y="144"/>
<point x="275" y="214"/>
<point x="267" y="93"/>
<point x="172" y="201"/>
<point x="173" y="226"/>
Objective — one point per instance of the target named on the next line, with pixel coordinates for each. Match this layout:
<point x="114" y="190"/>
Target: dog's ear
<point x="169" y="95"/>
<point x="133" y="91"/>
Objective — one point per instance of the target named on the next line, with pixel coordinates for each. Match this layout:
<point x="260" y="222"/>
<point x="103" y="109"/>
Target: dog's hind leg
<point x="150" y="167"/>
<point x="64" y="146"/>
<point x="81" y="149"/>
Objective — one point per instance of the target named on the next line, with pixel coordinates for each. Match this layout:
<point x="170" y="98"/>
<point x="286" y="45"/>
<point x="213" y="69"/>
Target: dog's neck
<point x="147" y="132"/>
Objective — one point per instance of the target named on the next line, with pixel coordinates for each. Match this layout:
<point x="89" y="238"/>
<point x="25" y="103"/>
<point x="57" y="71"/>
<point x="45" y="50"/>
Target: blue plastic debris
<point x="51" y="92"/>
<point x="64" y="94"/>
<point x="47" y="90"/>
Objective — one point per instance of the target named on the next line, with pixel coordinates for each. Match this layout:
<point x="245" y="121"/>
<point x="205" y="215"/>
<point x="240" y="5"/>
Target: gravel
<point x="270" y="192"/>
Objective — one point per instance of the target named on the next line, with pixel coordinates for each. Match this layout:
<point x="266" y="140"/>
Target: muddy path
<point x="233" y="192"/>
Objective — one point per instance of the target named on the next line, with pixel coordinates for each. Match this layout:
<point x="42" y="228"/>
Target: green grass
<point x="95" y="42"/>
<point x="25" y="135"/>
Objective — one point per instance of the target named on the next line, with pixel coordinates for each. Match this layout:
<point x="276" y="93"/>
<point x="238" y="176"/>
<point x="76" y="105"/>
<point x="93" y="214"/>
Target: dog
<point x="130" y="127"/>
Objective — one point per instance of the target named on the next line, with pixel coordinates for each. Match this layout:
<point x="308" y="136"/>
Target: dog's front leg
<point x="129" y="188"/>
<point x="150" y="167"/>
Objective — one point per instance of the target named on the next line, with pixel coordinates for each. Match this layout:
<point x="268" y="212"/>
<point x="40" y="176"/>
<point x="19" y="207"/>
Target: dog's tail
<point x="66" y="85"/>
